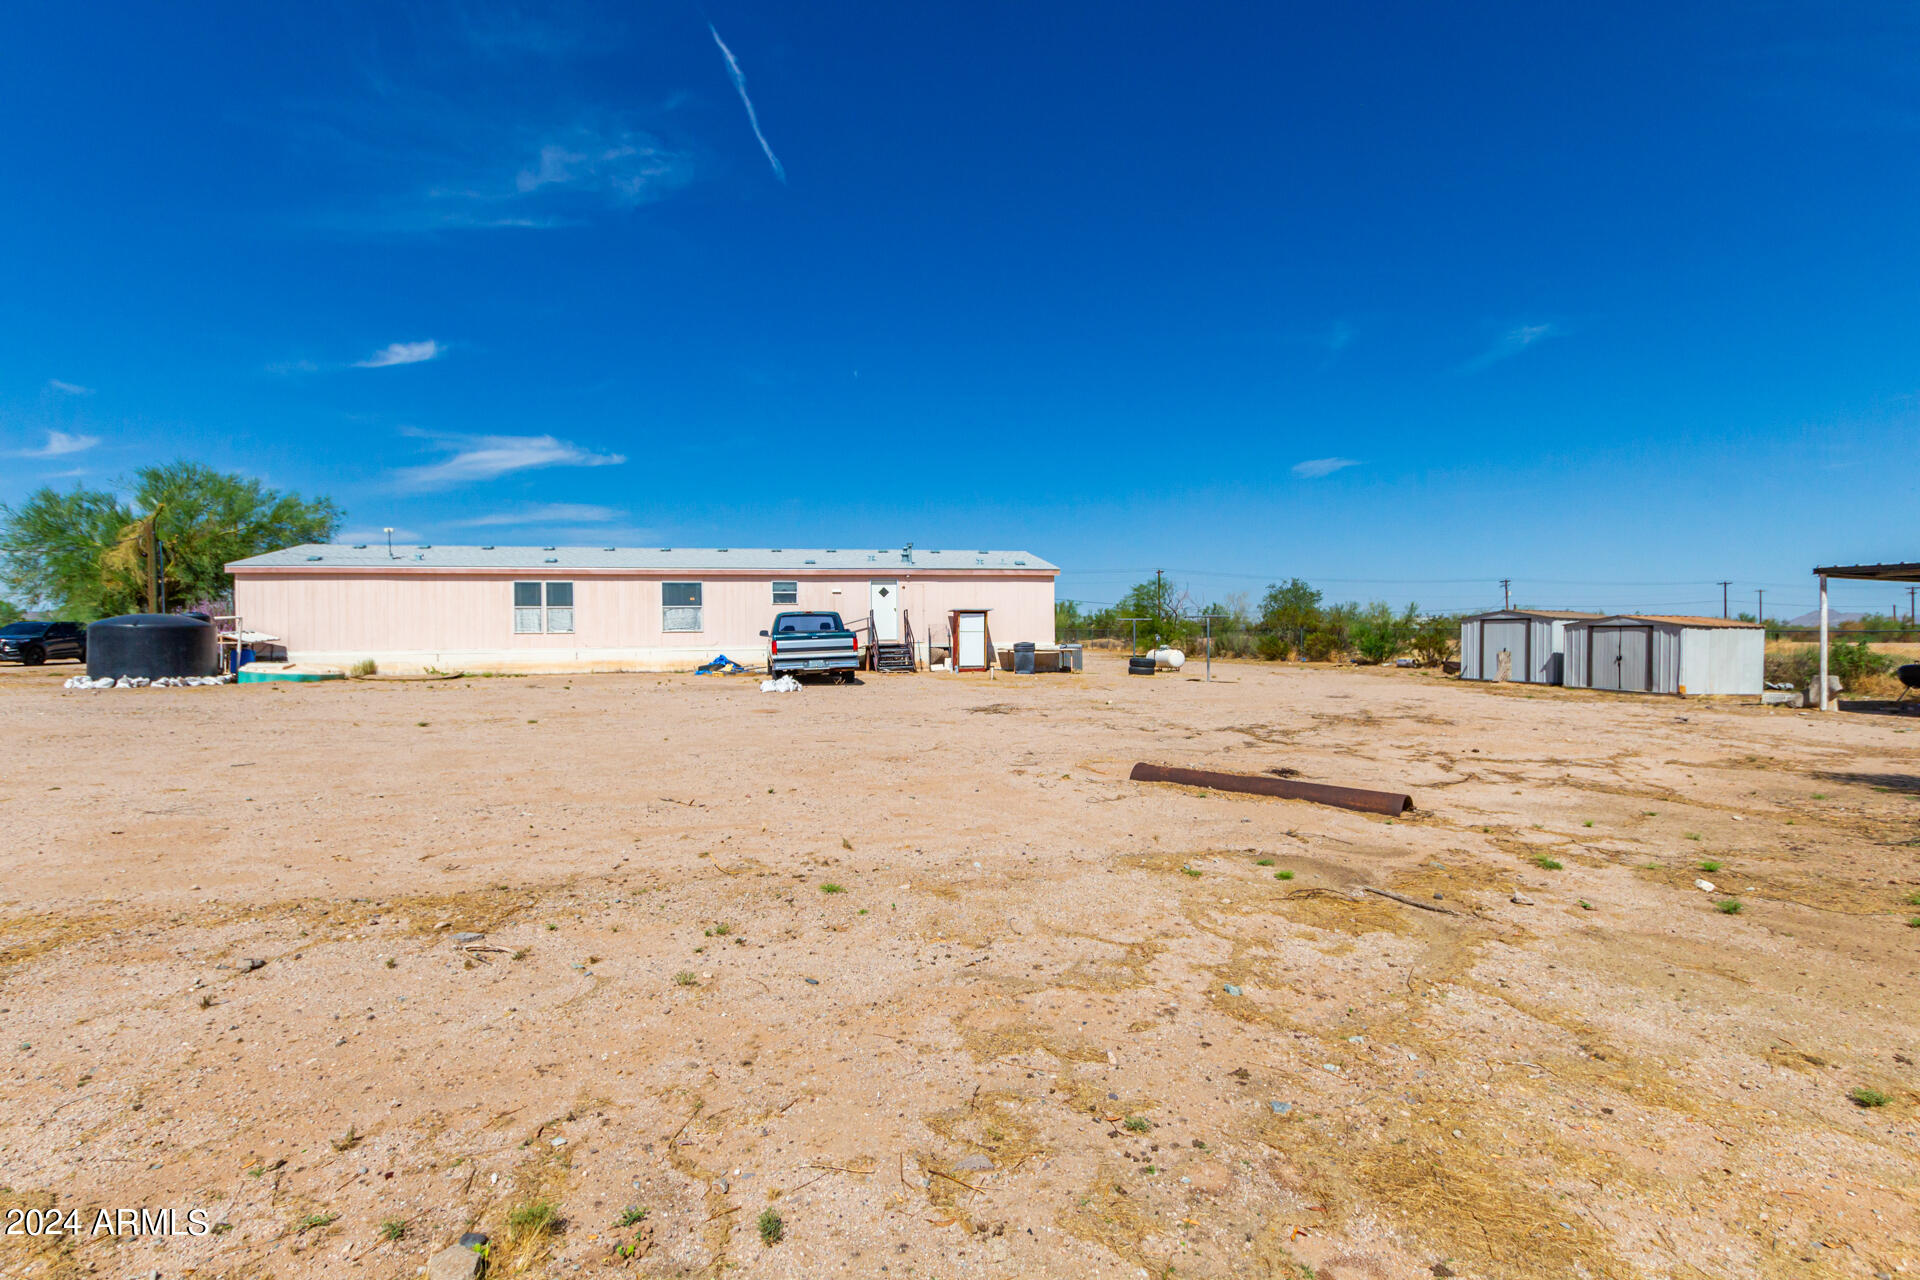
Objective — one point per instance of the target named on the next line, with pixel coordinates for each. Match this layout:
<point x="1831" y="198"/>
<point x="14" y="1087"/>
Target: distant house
<point x="619" y="608"/>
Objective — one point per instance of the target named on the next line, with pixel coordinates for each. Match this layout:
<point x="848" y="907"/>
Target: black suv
<point x="34" y="642"/>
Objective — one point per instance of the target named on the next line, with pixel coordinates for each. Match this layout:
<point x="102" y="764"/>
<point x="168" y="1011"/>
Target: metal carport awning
<point x="1854" y="573"/>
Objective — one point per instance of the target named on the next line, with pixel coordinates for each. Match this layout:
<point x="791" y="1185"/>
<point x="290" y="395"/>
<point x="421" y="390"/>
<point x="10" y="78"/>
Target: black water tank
<point x="152" y="645"/>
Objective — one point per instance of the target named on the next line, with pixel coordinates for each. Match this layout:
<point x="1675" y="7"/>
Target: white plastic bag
<point x="785" y="684"/>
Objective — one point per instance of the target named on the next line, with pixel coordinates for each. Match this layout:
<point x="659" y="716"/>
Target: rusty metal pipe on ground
<point x="1391" y="803"/>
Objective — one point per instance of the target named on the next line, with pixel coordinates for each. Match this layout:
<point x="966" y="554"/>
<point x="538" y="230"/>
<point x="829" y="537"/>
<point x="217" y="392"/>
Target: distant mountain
<point x="1833" y="619"/>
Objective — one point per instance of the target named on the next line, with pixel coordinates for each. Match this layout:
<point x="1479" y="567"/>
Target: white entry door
<point x="886" y="611"/>
<point x="973" y="642"/>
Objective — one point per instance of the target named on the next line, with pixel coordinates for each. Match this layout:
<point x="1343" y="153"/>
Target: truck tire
<point x="33" y="655"/>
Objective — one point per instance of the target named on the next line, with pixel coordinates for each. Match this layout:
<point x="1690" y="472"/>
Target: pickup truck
<point x="812" y="643"/>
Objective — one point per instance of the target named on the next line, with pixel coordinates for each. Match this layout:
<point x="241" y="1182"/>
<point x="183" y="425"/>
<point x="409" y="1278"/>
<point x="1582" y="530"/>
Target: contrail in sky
<point x="753" y="118"/>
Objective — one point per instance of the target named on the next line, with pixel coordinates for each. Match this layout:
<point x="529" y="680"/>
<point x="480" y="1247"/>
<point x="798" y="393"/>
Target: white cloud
<point x="1314" y="468"/>
<point x="1510" y="344"/>
<point x="478" y="458"/>
<point x="70" y="388"/>
<point x="402" y="353"/>
<point x="59" y="444"/>
<point x="753" y="117"/>
<point x="544" y="513"/>
<point x="625" y="167"/>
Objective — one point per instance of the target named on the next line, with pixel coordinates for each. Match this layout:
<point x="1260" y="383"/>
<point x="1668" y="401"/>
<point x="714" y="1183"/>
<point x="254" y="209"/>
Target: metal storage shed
<point x="1648" y="654"/>
<point x="1532" y="637"/>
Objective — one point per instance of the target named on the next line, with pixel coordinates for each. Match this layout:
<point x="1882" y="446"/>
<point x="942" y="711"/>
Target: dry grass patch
<point x="990" y="1034"/>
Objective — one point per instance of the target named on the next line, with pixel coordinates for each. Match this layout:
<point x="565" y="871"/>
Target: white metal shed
<point x="1533" y="640"/>
<point x="1663" y="654"/>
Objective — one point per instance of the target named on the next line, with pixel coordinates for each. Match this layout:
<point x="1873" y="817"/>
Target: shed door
<point x="1636" y="659"/>
<point x="1619" y="658"/>
<point x="1603" y="658"/>
<point x="1495" y="636"/>
<point x="972" y="654"/>
<point x="885" y="598"/>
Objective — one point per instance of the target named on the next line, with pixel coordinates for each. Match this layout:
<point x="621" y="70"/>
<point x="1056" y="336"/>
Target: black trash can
<point x="1023" y="658"/>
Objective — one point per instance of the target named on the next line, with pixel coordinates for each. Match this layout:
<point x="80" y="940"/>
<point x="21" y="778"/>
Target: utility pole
<point x="1761" y="616"/>
<point x="1506" y="593"/>
<point x="1723" y="598"/>
<point x="1910" y="617"/>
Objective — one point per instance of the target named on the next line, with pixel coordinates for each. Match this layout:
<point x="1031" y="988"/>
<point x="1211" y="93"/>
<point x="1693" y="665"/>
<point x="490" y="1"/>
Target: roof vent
<point x="488" y="547"/>
<point x="426" y="546"/>
<point x="1019" y="561"/>
<point x="666" y="548"/>
<point x="721" y="550"/>
<point x="359" y="546"/>
<point x="607" y="548"/>
<point x="553" y="559"/>
<point x="775" y="550"/>
<point x="313" y="557"/>
<point x="546" y="548"/>
<point x="813" y="562"/>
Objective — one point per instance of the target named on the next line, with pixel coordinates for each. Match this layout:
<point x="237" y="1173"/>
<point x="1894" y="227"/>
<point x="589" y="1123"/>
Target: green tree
<point x="1379" y="634"/>
<point x="1433" y="639"/>
<point x="1291" y="610"/>
<point x="208" y="518"/>
<point x="9" y="612"/>
<point x="1163" y="606"/>
<point x="54" y="544"/>
<point x="60" y="548"/>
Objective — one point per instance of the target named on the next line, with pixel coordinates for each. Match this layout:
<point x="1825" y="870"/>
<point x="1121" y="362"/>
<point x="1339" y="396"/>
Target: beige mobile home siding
<point x="463" y="619"/>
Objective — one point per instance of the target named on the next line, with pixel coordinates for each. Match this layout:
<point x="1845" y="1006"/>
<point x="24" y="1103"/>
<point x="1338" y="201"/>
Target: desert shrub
<point x="1272" y="648"/>
<point x="1321" y="646"/>
<point x="1433" y="640"/>
<point x="1232" y="644"/>
<point x="364" y="667"/>
<point x="1379" y="634"/>
<point x="1854" y="661"/>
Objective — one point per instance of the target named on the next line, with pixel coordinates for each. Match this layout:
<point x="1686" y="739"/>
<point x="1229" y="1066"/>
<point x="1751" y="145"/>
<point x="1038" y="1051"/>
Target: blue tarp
<point x="721" y="666"/>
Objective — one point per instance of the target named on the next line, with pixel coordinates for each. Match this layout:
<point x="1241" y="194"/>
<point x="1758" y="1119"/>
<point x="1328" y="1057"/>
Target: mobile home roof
<point x="891" y="560"/>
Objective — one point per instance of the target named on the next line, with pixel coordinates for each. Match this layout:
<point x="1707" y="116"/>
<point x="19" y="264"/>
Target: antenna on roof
<point x="389" y="532"/>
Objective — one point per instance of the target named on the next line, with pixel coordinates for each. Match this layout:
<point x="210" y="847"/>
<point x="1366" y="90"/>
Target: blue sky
<point x="1616" y="302"/>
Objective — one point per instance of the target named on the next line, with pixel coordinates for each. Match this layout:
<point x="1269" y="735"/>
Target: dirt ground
<point x="915" y="967"/>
